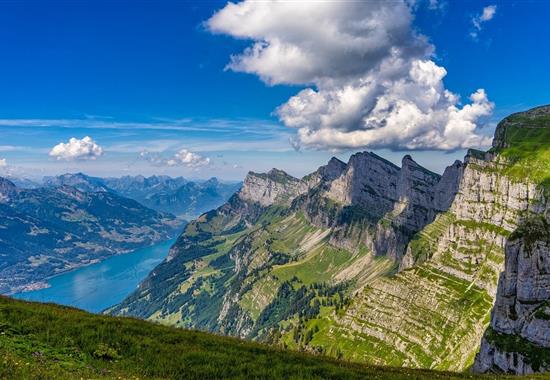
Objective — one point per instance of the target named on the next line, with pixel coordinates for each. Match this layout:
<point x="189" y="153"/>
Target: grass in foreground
<point x="45" y="341"/>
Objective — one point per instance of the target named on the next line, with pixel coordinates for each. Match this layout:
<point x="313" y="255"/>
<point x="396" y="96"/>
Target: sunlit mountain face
<point x="358" y="187"/>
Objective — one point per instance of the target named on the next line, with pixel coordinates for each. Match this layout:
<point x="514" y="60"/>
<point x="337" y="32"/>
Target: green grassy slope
<point x="525" y="145"/>
<point x="44" y="341"/>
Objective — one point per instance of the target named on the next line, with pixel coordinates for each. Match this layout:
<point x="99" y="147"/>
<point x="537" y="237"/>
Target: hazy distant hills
<point x="177" y="196"/>
<point x="23" y="182"/>
<point x="141" y="188"/>
<point x="49" y="230"/>
<point x="79" y="181"/>
<point x="174" y="195"/>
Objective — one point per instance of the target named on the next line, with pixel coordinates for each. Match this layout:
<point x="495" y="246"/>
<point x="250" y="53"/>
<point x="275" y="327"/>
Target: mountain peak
<point x="7" y="188"/>
<point x="80" y="181"/>
<point x="407" y="160"/>
<point x="275" y="186"/>
<point x="371" y="156"/>
<point x="517" y="128"/>
<point x="407" y="164"/>
<point x="6" y="183"/>
<point x="332" y="169"/>
<point x="278" y="174"/>
<point x="335" y="161"/>
<point x="275" y="175"/>
<point x="212" y="181"/>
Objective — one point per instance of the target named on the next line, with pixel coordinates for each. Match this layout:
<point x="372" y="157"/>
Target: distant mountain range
<point x="49" y="230"/>
<point x="178" y="196"/>
<point x="23" y="182"/>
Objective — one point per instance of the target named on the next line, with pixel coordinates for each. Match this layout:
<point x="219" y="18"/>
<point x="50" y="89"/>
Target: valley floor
<point x="45" y="341"/>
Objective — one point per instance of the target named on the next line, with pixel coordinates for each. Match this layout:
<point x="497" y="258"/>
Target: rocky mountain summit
<point x="373" y="262"/>
<point x="274" y="187"/>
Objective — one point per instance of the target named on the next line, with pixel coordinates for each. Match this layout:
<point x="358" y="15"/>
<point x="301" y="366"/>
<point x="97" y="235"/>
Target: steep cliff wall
<point x="433" y="313"/>
<point x="518" y="339"/>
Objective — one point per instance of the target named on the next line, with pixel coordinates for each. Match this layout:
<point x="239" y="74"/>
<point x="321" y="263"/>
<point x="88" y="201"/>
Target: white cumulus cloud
<point x="486" y="14"/>
<point x="183" y="157"/>
<point x="370" y="76"/>
<point x="77" y="150"/>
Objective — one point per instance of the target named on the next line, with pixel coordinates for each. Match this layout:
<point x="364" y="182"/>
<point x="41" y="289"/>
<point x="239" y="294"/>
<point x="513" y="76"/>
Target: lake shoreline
<point x="72" y="287"/>
<point x="44" y="284"/>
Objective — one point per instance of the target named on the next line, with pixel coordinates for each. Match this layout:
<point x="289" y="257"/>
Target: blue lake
<point x="98" y="286"/>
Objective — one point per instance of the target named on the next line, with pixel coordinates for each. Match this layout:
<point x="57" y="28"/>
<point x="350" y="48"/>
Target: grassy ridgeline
<point x="46" y="341"/>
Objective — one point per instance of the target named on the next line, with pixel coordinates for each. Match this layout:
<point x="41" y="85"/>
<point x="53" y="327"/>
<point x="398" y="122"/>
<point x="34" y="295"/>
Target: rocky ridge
<point x="433" y="313"/>
<point x="335" y="218"/>
<point x="365" y="260"/>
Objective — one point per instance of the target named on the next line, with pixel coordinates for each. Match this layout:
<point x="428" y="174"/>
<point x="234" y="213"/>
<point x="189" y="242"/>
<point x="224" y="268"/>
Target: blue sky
<point x="146" y="80"/>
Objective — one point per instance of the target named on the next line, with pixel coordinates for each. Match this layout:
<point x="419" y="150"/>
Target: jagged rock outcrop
<point x="274" y="187"/>
<point x="325" y="174"/>
<point x="378" y="204"/>
<point x="445" y="190"/>
<point x="368" y="181"/>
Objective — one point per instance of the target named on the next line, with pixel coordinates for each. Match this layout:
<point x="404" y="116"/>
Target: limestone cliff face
<point x="273" y="187"/>
<point x="380" y="205"/>
<point x="368" y="181"/>
<point x="325" y="174"/>
<point x="445" y="190"/>
<point x="518" y="340"/>
<point x="434" y="312"/>
<point x="487" y="207"/>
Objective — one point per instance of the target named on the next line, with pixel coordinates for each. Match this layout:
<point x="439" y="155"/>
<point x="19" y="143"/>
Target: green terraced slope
<point x="364" y="261"/>
<point x="434" y="312"/>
